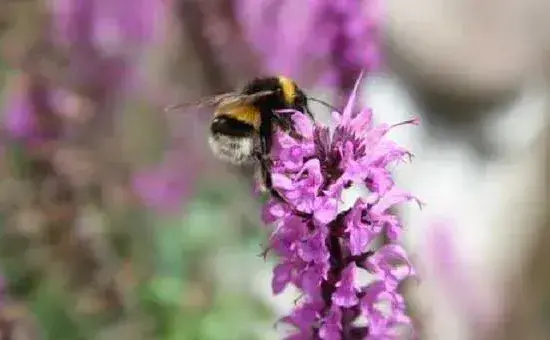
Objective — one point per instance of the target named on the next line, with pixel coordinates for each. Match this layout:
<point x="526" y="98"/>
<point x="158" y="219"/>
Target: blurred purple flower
<point x="105" y="23"/>
<point x="340" y="37"/>
<point x="324" y="251"/>
<point x="166" y="186"/>
<point x="106" y="38"/>
<point x="477" y="299"/>
<point x="25" y="100"/>
<point x="20" y="120"/>
<point x="100" y="40"/>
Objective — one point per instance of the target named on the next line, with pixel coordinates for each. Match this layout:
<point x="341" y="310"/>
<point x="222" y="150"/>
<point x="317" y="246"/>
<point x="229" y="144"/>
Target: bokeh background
<point x="117" y="223"/>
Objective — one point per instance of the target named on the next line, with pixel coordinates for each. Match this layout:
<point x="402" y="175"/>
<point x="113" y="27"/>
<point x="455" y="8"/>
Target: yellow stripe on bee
<point x="289" y="89"/>
<point x="245" y="113"/>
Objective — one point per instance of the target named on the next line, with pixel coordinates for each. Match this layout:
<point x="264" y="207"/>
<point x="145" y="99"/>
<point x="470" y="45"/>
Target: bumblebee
<point x="243" y="124"/>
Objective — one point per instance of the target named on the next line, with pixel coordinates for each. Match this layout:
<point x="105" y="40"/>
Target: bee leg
<point x="264" y="174"/>
<point x="286" y="125"/>
<point x="283" y="122"/>
<point x="266" y="132"/>
<point x="264" y="165"/>
<point x="261" y="172"/>
<point x="260" y="178"/>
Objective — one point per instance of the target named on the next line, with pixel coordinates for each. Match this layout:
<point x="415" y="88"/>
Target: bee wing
<point x="252" y="97"/>
<point x="206" y="101"/>
<point x="226" y="101"/>
<point x="242" y="99"/>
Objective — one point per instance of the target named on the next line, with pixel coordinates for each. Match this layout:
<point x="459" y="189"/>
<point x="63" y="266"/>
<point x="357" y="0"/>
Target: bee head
<point x="283" y="92"/>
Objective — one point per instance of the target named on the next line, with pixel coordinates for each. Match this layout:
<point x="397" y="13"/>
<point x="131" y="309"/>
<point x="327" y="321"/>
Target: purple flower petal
<point x="313" y="247"/>
<point x="282" y="182"/>
<point x="311" y="278"/>
<point x="274" y="211"/>
<point x="347" y="114"/>
<point x="325" y="209"/>
<point x="282" y="274"/>
<point x="331" y="327"/>
<point x="390" y="263"/>
<point x="303" y="125"/>
<point x="347" y="288"/>
<point x="302" y="317"/>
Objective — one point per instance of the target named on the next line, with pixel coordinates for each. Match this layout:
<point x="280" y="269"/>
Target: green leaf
<point x="17" y="159"/>
<point x="203" y="226"/>
<point x="166" y="290"/>
<point x="50" y="306"/>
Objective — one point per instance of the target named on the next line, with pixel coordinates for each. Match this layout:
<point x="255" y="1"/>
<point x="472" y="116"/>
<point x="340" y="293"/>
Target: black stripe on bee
<point x="230" y="126"/>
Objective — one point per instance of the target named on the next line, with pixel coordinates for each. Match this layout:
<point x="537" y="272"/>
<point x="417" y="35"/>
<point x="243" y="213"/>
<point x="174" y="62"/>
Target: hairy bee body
<point x="242" y="134"/>
<point x="234" y="140"/>
<point x="243" y="124"/>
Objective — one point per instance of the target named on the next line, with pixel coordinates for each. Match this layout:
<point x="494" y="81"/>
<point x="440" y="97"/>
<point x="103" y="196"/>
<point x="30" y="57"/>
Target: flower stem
<point x="337" y="264"/>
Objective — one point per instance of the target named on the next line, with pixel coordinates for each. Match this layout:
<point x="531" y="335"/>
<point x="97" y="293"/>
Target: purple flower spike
<point x="333" y="40"/>
<point x="323" y="250"/>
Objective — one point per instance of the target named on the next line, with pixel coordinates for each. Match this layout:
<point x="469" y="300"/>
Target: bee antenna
<point x="322" y="102"/>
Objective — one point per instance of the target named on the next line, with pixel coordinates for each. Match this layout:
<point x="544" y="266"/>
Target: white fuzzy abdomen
<point x="235" y="150"/>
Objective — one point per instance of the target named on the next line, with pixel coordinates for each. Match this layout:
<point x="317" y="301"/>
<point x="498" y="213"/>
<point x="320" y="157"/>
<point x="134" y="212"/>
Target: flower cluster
<point x="326" y="252"/>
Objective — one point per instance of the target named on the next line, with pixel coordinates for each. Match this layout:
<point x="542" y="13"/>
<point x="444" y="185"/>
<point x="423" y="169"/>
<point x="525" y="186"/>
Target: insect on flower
<point x="242" y="128"/>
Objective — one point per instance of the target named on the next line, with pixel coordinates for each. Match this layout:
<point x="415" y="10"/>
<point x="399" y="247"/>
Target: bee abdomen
<point x="232" y="140"/>
<point x="235" y="150"/>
